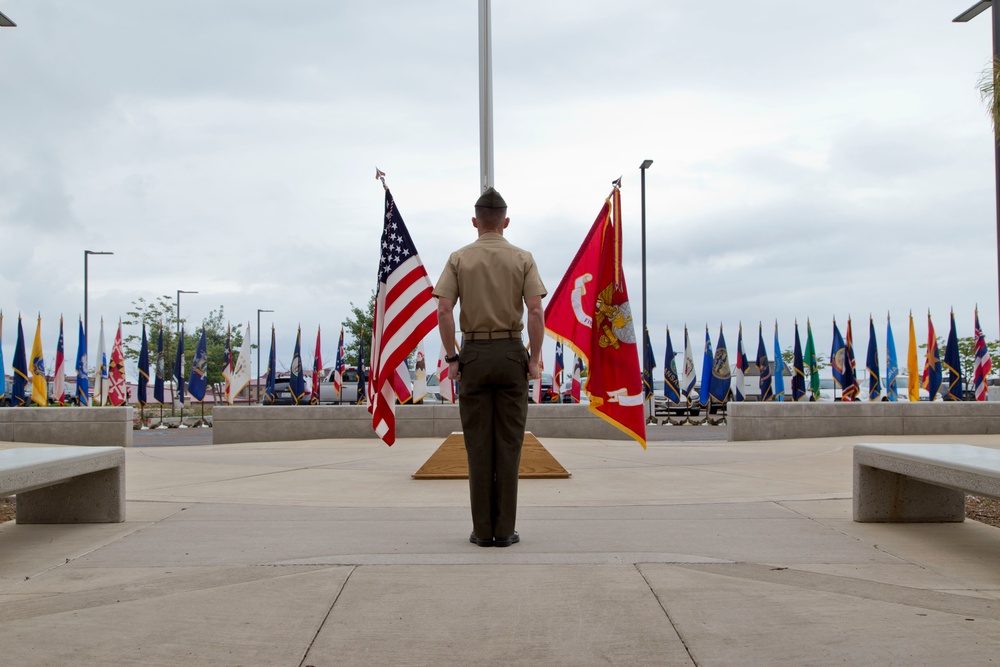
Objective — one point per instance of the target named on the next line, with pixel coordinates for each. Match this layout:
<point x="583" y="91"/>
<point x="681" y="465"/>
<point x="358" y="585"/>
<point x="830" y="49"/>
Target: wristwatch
<point x="451" y="359"/>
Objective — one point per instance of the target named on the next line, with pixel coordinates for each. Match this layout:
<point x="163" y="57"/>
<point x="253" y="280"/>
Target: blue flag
<point x="779" y="369"/>
<point x="838" y="360"/>
<point x="362" y="374"/>
<point x="160" y="364"/>
<point x="20" y="368"/>
<point x="763" y="367"/>
<point x="798" y="369"/>
<point x="179" y="368"/>
<point x="671" y="385"/>
<point x="874" y="382"/>
<point x="705" y="391"/>
<point x="270" y="392"/>
<point x="296" y="379"/>
<point x="143" y="368"/>
<point x="721" y="383"/>
<point x="82" y="379"/>
<point x="953" y="362"/>
<point x="891" y="365"/>
<point x="199" y="369"/>
<point x="648" y="364"/>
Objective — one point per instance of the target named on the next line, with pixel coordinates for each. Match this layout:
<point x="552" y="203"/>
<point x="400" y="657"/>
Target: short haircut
<point x="490" y="218"/>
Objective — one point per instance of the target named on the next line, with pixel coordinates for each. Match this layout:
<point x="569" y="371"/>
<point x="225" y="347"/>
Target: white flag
<point x="420" y="375"/>
<point x="241" y="370"/>
<point x="446" y="386"/>
<point x="688" y="377"/>
<point x="101" y="380"/>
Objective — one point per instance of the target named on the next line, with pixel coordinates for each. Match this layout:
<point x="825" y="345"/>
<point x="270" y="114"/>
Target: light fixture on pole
<point x="965" y="16"/>
<point x="86" y="305"/>
<point x="257" y="377"/>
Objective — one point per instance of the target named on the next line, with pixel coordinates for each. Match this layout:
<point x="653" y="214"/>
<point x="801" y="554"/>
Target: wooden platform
<point x="450" y="461"/>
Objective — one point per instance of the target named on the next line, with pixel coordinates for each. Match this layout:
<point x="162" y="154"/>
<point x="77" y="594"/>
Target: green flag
<point x="811" y="363"/>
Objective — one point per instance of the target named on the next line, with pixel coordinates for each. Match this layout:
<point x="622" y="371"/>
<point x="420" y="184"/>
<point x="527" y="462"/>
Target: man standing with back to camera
<point x="493" y="280"/>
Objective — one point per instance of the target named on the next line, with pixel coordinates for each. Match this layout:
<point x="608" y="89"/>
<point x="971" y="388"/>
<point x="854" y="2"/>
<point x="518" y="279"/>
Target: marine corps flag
<point x="590" y="312"/>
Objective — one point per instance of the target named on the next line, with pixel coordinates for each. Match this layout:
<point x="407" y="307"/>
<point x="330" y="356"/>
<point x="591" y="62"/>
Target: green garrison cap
<point x="491" y="199"/>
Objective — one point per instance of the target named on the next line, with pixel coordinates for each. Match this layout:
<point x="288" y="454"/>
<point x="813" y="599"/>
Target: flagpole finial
<point x="380" y="176"/>
<point x="617" y="183"/>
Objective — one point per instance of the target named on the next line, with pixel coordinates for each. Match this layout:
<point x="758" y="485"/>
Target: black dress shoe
<point x="507" y="541"/>
<point x="482" y="543"/>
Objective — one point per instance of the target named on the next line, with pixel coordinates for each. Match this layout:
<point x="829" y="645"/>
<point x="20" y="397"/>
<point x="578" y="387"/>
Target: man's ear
<point x="474" y="223"/>
<point x="506" y="221"/>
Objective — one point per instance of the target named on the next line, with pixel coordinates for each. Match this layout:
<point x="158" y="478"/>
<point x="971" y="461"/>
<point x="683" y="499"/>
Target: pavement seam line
<point x="666" y="614"/>
<point x="322" y="624"/>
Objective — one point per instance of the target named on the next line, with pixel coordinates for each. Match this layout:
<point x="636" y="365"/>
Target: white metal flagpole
<point x="485" y="96"/>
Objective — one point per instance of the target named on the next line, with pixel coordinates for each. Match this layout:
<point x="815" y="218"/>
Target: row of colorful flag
<point x="110" y="386"/>
<point x="721" y="383"/>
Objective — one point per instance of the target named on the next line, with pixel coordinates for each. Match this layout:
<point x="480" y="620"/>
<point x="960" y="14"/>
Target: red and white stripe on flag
<point x="446" y="386"/>
<point x="983" y="363"/>
<point x="401" y="383"/>
<point x="405" y="312"/>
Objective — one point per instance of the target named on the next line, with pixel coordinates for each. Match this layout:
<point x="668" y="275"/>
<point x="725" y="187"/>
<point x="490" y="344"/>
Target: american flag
<point x="405" y="312"/>
<point x="340" y="365"/>
<point x="984" y="365"/>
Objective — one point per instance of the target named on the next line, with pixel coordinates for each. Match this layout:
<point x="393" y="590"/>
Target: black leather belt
<point x="491" y="335"/>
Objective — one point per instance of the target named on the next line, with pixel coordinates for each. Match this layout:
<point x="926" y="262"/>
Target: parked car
<point x="549" y="395"/>
<point x="328" y="393"/>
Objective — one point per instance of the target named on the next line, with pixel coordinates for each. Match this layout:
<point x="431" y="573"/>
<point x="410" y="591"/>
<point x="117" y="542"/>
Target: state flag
<point x="270" y="391"/>
<point x="812" y="363"/>
<point x="59" y="374"/>
<point x="798" y="369"/>
<point x="161" y="366"/>
<point x="739" y="374"/>
<point x="420" y="374"/>
<point x="707" y="358"/>
<point x="198" y="383"/>
<point x="912" y="369"/>
<point x="20" y="380"/>
<point x="558" y="371"/>
<point x="871" y="362"/>
<point x="983" y="363"/>
<point x="721" y="384"/>
<point x="82" y="377"/>
<point x="39" y="384"/>
<point x="241" y="371"/>
<point x="931" y="379"/>
<point x="953" y="362"/>
<point x="296" y="377"/>
<point x="446" y="385"/>
<point x="117" y="390"/>
<point x="779" y="368"/>
<point x="763" y="367"/>
<point x="671" y="383"/>
<point x="689" y="377"/>
<point x="142" y="398"/>
<point x="101" y="372"/>
<point x="891" y="364"/>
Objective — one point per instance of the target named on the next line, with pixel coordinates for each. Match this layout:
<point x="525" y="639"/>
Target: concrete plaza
<point x="326" y="552"/>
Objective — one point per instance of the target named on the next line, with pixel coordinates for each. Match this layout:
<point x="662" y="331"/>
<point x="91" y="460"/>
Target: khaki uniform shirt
<point x="492" y="278"/>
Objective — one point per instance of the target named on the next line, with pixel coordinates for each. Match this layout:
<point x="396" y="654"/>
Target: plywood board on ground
<point x="450" y="462"/>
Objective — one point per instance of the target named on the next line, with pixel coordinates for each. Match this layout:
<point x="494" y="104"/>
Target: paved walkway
<point x="327" y="553"/>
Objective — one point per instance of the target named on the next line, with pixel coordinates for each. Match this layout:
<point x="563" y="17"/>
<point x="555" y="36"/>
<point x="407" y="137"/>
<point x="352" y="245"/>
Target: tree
<point x="788" y="355"/>
<point x="161" y="311"/>
<point x="989" y="82"/>
<point x="359" y="320"/>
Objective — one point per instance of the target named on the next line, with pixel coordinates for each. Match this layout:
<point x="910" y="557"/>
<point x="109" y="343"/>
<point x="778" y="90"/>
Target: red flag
<point x="405" y="312"/>
<point x="317" y="371"/>
<point x="590" y="312"/>
<point x="117" y="394"/>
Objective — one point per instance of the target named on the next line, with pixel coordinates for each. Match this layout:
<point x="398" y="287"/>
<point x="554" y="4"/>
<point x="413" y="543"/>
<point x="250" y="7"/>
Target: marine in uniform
<point x="494" y="282"/>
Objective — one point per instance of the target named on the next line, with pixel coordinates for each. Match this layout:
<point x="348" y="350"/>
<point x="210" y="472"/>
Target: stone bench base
<point x="921" y="482"/>
<point x="65" y="484"/>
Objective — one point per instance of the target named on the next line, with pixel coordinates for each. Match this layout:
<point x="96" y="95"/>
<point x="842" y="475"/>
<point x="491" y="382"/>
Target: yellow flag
<point x="912" y="369"/>
<point x="39" y="388"/>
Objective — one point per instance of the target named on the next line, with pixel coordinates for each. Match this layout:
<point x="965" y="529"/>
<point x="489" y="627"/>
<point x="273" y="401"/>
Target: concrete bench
<point x="65" y="484"/>
<point x="921" y="482"/>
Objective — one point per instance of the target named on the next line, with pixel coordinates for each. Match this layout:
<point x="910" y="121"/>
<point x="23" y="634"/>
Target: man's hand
<point x="533" y="371"/>
<point x="453" y="372"/>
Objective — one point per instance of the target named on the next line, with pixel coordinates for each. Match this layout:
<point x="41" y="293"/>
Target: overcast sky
<point x="810" y="160"/>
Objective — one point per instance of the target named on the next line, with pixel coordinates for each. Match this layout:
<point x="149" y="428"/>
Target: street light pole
<point x="646" y="164"/>
<point x="964" y="17"/>
<point x="173" y="399"/>
<point x="86" y="305"/>
<point x="257" y="377"/>
<point x="179" y="292"/>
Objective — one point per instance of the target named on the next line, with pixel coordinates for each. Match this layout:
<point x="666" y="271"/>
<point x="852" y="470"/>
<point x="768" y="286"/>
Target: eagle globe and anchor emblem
<point x="613" y="321"/>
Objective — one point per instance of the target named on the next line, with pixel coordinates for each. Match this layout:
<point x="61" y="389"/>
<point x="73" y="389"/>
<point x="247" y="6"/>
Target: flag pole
<point x="485" y="97"/>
